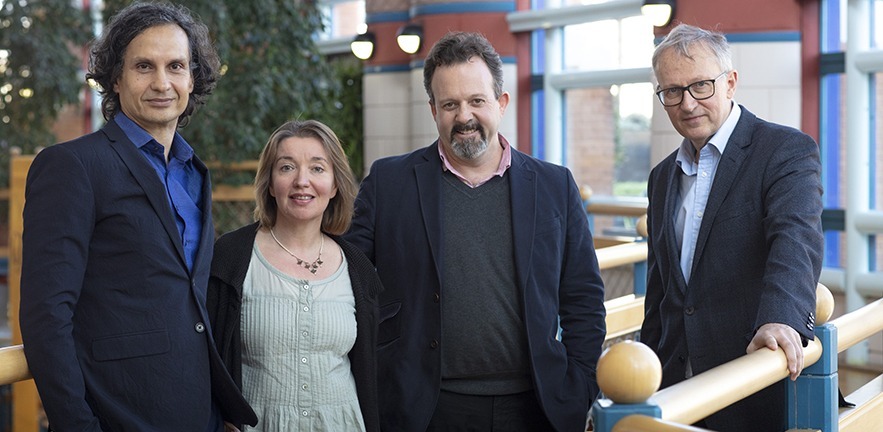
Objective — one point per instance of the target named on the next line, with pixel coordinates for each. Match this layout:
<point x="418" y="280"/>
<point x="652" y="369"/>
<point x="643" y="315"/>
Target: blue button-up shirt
<point x="183" y="182"/>
<point x="696" y="180"/>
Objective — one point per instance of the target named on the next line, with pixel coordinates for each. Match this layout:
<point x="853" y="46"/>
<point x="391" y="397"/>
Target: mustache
<point x="470" y="125"/>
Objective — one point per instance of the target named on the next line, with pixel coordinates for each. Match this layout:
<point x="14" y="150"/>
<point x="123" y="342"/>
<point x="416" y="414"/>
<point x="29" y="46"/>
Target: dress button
<point x="433" y="344"/>
<point x="303" y="360"/>
<point x="306" y="308"/>
<point x="305" y="333"/>
<point x="689" y="310"/>
<point x="304" y="413"/>
<point x="200" y="327"/>
<point x="305" y="387"/>
<point x="306" y="287"/>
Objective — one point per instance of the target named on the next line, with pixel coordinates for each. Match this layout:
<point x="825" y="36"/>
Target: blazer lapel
<point x="206" y="243"/>
<point x="672" y="192"/>
<point x="145" y="175"/>
<point x="429" y="179"/>
<point x="523" y="193"/>
<point x="728" y="169"/>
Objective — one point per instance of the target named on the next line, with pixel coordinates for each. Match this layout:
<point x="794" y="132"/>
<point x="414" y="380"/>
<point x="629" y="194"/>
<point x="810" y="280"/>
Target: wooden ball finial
<point x="629" y="372"/>
<point x="641" y="226"/>
<point x="824" y="304"/>
<point x="585" y="192"/>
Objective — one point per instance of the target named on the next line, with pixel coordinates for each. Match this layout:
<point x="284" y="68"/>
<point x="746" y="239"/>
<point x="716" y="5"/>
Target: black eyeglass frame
<point x="687" y="89"/>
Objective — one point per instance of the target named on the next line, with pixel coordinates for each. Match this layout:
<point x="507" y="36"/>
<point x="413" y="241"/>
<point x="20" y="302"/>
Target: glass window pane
<point x="608" y="144"/>
<point x="342" y="18"/>
<point x="608" y="44"/>
<point x="877" y="24"/>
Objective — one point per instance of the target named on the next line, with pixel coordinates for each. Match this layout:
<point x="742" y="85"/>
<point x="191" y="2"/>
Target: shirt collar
<point x="180" y="149"/>
<point x="718" y="140"/>
<point x="505" y="163"/>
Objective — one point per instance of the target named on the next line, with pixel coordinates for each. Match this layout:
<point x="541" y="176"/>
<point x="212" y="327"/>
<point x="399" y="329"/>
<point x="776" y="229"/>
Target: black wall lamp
<point x="658" y="11"/>
<point x="409" y="37"/>
<point x="363" y="45"/>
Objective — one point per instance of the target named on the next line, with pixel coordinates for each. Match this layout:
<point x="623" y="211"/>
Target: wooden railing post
<point x="628" y="374"/>
<point x="812" y="398"/>
<point x="640" y="268"/>
<point x="25" y="400"/>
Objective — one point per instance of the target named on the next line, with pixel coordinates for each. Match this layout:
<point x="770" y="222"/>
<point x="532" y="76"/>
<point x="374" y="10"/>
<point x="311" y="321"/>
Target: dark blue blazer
<point x="758" y="258"/>
<point x="398" y="225"/>
<point x="114" y="324"/>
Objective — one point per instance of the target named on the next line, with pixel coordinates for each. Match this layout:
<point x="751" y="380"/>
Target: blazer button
<point x="433" y="344"/>
<point x="200" y="327"/>
<point x="689" y="310"/>
<point x="436" y="298"/>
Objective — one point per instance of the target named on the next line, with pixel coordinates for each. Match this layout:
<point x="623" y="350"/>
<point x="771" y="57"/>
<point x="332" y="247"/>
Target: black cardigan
<point x="229" y="266"/>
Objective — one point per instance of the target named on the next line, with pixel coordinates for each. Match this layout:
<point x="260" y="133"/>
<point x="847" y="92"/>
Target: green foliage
<point x="344" y="114"/>
<point x="630" y="189"/>
<point x="39" y="41"/>
<point x="272" y="72"/>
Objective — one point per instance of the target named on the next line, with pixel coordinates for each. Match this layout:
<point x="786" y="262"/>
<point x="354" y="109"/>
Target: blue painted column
<point x="640" y="277"/>
<point x="812" y="398"/>
<point x="605" y="413"/>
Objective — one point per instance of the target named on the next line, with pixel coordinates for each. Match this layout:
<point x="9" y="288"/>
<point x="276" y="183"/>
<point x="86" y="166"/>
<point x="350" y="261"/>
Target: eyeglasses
<point x="700" y="90"/>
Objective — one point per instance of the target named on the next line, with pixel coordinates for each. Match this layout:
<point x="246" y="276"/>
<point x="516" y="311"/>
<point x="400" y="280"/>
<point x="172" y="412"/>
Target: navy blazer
<point x="113" y="322"/>
<point x="758" y="258"/>
<point x="398" y="225"/>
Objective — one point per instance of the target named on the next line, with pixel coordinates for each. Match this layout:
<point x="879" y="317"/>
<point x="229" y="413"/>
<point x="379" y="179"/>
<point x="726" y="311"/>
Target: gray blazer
<point x="758" y="258"/>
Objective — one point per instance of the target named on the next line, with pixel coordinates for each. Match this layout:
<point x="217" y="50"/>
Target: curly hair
<point x="108" y="51"/>
<point x="339" y="213"/>
<point x="456" y="48"/>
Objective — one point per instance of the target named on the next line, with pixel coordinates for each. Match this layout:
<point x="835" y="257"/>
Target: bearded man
<point x="480" y="249"/>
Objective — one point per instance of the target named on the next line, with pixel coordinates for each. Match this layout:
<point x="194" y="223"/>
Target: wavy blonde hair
<point x="339" y="213"/>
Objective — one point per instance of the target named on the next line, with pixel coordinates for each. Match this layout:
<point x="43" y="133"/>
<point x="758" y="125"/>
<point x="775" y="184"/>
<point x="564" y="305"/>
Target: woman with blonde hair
<point x="292" y="305"/>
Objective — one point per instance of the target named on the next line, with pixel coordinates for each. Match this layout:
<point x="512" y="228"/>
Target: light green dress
<point x="295" y="339"/>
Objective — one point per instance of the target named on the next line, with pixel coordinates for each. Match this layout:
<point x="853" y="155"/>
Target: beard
<point x="470" y="148"/>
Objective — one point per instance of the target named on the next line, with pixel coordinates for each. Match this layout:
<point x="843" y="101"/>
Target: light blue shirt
<point x="696" y="181"/>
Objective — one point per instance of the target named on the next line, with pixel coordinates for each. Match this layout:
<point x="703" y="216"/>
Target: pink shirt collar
<point x="505" y="163"/>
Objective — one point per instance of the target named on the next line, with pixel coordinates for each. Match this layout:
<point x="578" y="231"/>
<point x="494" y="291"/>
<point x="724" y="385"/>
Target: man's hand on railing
<point x="775" y="335"/>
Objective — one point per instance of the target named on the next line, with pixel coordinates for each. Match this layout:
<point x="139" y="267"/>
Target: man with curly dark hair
<point x="117" y="245"/>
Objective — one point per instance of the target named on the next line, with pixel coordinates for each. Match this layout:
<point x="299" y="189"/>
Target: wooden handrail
<point x="617" y="206"/>
<point x="868" y="399"/>
<point x="233" y="193"/>
<point x="13" y="365"/>
<point x="726" y="384"/>
<point x="859" y="325"/>
<point x="624" y="315"/>
<point x="248" y="165"/>
<point x="642" y="423"/>
<point x="614" y="256"/>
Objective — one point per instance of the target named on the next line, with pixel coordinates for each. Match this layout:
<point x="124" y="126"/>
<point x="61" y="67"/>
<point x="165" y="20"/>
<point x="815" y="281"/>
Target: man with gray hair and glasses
<point x="735" y="246"/>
